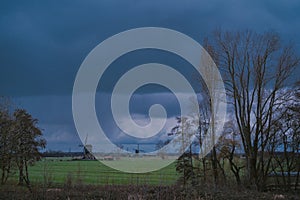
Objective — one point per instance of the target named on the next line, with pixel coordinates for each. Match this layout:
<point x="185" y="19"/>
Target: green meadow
<point x="60" y="171"/>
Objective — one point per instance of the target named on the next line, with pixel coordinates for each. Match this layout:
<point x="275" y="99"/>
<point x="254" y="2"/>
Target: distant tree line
<point x="51" y="153"/>
<point x="261" y="138"/>
<point x="20" y="142"/>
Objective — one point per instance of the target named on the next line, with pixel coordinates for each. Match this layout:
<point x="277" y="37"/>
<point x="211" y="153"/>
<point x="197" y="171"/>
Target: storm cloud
<point x="43" y="43"/>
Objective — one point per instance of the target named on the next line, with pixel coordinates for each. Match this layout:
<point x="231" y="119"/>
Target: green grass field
<point x="60" y="171"/>
<point x="62" y="178"/>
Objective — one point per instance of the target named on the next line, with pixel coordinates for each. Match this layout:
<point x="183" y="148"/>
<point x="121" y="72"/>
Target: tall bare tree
<point x="256" y="67"/>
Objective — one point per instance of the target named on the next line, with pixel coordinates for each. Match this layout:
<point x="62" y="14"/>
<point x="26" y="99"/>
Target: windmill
<point x="87" y="150"/>
<point x="138" y="150"/>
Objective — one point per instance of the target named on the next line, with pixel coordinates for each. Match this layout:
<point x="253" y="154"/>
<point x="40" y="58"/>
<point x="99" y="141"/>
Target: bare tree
<point x="230" y="149"/>
<point x="209" y="109"/>
<point x="204" y="121"/>
<point x="255" y="68"/>
<point x="287" y="127"/>
<point x="185" y="164"/>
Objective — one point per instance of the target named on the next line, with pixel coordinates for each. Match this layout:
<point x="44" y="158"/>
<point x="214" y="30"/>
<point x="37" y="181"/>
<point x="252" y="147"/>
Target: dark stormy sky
<point x="43" y="44"/>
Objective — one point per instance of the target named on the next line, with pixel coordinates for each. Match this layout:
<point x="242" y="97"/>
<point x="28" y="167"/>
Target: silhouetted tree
<point x="6" y="145"/>
<point x="27" y="142"/>
<point x="256" y="67"/>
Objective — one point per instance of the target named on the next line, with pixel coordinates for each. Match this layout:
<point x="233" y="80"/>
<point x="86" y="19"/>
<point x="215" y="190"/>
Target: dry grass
<point x="140" y="192"/>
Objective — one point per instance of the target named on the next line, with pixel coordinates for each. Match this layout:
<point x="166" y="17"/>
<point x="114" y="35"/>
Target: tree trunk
<point x="26" y="173"/>
<point x="21" y="174"/>
<point x="251" y="171"/>
<point x="3" y="176"/>
<point x="236" y="171"/>
<point x="204" y="168"/>
<point x="297" y="177"/>
<point x="215" y="166"/>
<point x="237" y="178"/>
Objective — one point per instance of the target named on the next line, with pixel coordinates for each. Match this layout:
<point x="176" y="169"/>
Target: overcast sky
<point x="43" y="44"/>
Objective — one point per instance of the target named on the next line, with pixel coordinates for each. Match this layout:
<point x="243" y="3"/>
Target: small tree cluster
<point x="20" y="142"/>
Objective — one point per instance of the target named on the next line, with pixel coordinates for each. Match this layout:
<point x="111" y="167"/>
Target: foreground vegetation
<point x="134" y="192"/>
<point x="64" y="178"/>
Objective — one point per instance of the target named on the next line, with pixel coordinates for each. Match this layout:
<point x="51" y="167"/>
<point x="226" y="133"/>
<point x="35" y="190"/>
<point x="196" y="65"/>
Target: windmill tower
<point x="138" y="150"/>
<point x="87" y="150"/>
